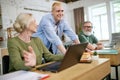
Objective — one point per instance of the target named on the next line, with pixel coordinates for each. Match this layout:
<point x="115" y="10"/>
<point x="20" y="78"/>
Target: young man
<point x="87" y="36"/>
<point x="51" y="28"/>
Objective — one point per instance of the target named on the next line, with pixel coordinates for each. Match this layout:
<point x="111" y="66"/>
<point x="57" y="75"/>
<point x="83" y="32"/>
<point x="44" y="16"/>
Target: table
<point x="114" y="56"/>
<point x="96" y="70"/>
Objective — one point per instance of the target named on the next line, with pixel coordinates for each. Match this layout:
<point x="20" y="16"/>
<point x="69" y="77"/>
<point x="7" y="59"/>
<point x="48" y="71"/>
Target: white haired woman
<point x="24" y="50"/>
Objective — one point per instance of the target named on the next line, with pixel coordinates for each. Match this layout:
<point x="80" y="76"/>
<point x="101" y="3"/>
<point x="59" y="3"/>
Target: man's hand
<point x="91" y="47"/>
<point x="99" y="45"/>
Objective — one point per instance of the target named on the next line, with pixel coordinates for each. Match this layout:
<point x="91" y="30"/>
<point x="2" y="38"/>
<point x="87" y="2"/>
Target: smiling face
<point x="87" y="28"/>
<point x="57" y="11"/>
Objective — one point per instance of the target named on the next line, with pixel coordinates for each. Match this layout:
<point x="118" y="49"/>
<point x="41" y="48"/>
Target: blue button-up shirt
<point x="47" y="32"/>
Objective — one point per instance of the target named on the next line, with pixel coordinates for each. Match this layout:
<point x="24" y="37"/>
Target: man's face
<point x="58" y="13"/>
<point x="87" y="29"/>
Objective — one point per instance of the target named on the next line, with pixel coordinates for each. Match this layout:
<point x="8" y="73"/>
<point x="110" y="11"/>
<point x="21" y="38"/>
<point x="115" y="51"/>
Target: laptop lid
<point x="73" y="55"/>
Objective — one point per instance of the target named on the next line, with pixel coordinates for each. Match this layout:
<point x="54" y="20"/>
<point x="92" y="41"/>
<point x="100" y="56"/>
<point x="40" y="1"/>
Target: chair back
<point x="5" y="62"/>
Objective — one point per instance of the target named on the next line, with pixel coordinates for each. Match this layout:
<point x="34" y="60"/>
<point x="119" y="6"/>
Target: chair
<point x="11" y="32"/>
<point x="5" y="62"/>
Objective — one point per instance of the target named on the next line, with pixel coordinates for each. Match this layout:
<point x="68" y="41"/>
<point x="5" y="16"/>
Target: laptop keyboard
<point x="53" y="67"/>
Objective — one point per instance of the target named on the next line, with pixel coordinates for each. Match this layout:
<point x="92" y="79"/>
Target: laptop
<point x="72" y="57"/>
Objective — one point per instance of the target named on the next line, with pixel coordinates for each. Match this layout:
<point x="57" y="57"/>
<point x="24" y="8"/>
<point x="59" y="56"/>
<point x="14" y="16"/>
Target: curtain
<point x="78" y="18"/>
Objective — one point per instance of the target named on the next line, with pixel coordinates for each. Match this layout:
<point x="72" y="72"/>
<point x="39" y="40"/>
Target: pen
<point x="44" y="77"/>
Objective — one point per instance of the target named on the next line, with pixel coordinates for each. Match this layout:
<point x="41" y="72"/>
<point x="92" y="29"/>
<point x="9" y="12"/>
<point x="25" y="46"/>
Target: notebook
<point x="72" y="57"/>
<point x="86" y="58"/>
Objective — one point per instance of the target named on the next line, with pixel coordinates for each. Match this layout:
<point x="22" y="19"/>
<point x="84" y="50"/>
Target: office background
<point x="104" y="23"/>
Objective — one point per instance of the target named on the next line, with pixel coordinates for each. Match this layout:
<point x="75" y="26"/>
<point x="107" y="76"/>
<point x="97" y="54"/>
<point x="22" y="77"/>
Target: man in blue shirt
<point x="51" y="28"/>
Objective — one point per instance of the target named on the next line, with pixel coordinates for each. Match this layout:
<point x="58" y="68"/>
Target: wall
<point x="11" y="8"/>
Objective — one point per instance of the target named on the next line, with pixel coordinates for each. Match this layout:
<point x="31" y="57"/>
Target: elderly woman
<point x="24" y="50"/>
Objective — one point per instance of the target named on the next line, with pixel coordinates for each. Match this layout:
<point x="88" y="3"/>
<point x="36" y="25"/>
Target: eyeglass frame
<point x="88" y="26"/>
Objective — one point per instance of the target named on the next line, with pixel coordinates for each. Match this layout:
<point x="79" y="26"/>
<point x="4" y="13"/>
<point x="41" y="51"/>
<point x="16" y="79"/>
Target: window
<point x="103" y="22"/>
<point x="100" y="22"/>
<point x="116" y="16"/>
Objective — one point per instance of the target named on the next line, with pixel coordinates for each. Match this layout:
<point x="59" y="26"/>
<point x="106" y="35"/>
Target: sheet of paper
<point x="23" y="75"/>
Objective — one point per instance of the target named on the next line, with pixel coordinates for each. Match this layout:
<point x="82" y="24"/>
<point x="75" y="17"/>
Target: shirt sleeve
<point x="16" y="60"/>
<point x="48" y="56"/>
<point x="68" y="31"/>
<point x="95" y="40"/>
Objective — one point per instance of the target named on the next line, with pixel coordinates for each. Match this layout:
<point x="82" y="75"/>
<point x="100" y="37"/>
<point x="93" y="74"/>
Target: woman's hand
<point x="29" y="57"/>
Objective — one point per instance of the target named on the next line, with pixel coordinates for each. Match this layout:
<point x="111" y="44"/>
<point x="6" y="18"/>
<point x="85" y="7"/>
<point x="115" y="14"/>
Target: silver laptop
<point x="115" y="39"/>
<point x="72" y="57"/>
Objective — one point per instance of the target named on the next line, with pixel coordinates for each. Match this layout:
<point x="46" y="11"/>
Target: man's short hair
<point x="56" y="4"/>
<point x="87" y="22"/>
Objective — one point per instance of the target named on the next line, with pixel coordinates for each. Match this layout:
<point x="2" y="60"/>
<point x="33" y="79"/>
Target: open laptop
<point x="115" y="39"/>
<point x="72" y="57"/>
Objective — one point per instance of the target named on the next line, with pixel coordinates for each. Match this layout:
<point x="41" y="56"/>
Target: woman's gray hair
<point x="22" y="21"/>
